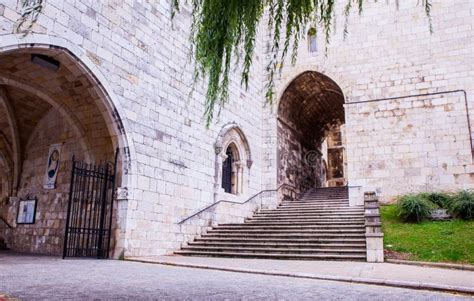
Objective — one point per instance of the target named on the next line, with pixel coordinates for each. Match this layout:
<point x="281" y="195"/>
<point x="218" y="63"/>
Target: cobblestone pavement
<point x="48" y="278"/>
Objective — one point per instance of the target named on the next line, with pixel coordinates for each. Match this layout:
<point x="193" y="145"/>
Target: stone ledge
<point x="444" y="265"/>
<point x="373" y="224"/>
<point x="373" y="234"/>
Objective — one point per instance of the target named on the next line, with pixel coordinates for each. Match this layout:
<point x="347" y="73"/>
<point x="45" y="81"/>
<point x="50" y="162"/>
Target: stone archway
<point x="232" y="138"/>
<point x="54" y="98"/>
<point x="311" y="110"/>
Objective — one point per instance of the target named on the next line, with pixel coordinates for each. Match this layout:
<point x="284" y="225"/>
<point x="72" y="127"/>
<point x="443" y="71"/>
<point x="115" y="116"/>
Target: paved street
<point x="48" y="278"/>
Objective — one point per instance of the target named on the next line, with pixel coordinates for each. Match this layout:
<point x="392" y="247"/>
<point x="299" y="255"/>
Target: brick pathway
<point x="362" y="272"/>
<point x="49" y="278"/>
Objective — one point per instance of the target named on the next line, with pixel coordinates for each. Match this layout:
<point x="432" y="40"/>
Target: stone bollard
<point x="373" y="228"/>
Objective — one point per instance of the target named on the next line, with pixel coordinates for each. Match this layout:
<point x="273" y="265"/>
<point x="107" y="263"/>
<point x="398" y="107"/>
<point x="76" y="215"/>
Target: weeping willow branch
<point x="29" y="13"/>
<point x="224" y="30"/>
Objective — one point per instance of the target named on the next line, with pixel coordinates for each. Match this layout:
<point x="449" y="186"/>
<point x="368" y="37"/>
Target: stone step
<point x="312" y="211"/>
<point x="316" y="204"/>
<point x="285" y="235"/>
<point x="288" y="227"/>
<point x="321" y="201"/>
<point x="286" y="231"/>
<point x="305" y="223"/>
<point x="309" y="214"/>
<point x="326" y="245"/>
<point x="318" y="207"/>
<point x="275" y="255"/>
<point x="302" y="218"/>
<point x="279" y="250"/>
<point x="313" y="206"/>
<point x="333" y="195"/>
<point x="329" y="188"/>
<point x="329" y="194"/>
<point x="299" y="210"/>
<point x="329" y="207"/>
<point x="326" y="191"/>
<point x="326" y="240"/>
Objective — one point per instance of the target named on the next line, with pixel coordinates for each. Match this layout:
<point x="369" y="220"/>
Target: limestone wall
<point x="390" y="52"/>
<point x="142" y="60"/>
<point x="410" y="144"/>
<point x="298" y="164"/>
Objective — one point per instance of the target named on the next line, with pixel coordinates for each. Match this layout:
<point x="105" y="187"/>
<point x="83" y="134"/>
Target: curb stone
<point x="463" y="267"/>
<point x="360" y="280"/>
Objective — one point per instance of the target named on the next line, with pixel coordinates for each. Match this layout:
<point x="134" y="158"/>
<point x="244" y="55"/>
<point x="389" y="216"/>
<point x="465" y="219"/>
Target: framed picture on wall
<point x="52" y="166"/>
<point x="26" y="211"/>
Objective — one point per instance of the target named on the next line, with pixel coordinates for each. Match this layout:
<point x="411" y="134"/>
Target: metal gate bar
<point x="90" y="210"/>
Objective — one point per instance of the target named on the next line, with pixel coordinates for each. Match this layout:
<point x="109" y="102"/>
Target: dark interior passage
<point x="310" y="110"/>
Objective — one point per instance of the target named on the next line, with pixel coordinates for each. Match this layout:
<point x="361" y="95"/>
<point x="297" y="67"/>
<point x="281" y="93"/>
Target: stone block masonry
<point x="397" y="146"/>
<point x="410" y="144"/>
<point x="140" y="97"/>
<point x="141" y="60"/>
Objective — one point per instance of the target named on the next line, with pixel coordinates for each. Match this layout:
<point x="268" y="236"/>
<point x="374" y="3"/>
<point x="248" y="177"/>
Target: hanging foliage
<point x="224" y="32"/>
<point x="29" y="13"/>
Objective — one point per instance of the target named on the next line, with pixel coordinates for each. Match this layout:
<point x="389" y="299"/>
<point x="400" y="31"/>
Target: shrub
<point x="413" y="208"/>
<point x="463" y="204"/>
<point x="440" y="199"/>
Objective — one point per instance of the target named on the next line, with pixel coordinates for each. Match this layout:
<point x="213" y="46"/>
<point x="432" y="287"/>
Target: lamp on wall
<point x="45" y="61"/>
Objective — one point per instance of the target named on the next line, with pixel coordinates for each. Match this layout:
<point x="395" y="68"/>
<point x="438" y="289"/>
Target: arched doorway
<point x="50" y="101"/>
<point x="311" y="133"/>
<point x="233" y="163"/>
<point x="229" y="169"/>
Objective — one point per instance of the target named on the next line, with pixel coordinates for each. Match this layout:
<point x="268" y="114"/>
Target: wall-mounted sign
<point x="52" y="166"/>
<point x="26" y="211"/>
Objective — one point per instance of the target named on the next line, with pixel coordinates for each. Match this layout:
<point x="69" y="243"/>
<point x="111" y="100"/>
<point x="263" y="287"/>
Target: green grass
<point x="440" y="241"/>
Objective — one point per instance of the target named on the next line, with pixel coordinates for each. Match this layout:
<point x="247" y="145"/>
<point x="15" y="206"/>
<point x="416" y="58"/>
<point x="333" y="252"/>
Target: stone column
<point x="373" y="230"/>
<point x="240" y="177"/>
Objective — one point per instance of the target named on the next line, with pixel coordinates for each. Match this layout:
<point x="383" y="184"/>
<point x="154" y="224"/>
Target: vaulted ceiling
<point x="310" y="105"/>
<point x="28" y="91"/>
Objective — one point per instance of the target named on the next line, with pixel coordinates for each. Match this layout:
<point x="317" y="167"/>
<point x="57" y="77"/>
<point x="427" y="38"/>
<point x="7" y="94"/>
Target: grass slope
<point x="447" y="241"/>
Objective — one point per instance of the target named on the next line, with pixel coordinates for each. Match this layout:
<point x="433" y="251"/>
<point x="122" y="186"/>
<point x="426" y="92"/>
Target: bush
<point x="440" y="199"/>
<point x="463" y="204"/>
<point x="413" y="208"/>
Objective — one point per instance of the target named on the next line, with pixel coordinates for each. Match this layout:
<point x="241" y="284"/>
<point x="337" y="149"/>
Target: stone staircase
<point x="318" y="226"/>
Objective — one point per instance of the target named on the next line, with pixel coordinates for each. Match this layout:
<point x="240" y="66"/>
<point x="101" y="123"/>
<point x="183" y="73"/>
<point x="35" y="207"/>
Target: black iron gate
<point x="90" y="210"/>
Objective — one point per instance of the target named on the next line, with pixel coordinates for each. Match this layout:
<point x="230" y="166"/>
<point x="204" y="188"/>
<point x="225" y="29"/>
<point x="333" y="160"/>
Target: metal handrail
<point x="240" y="203"/>
<point x="5" y="222"/>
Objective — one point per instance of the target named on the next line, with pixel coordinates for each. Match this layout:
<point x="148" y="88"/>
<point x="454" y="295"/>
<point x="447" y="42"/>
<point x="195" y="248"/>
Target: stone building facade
<point x="399" y="95"/>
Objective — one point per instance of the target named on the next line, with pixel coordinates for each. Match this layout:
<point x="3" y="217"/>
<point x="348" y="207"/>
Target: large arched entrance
<point x="51" y="102"/>
<point x="311" y="133"/>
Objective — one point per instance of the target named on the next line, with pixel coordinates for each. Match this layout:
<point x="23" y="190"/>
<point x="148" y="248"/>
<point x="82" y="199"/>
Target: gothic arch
<point x="231" y="132"/>
<point x="232" y="136"/>
<point x="118" y="127"/>
<point x="82" y="102"/>
<point x="310" y="106"/>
